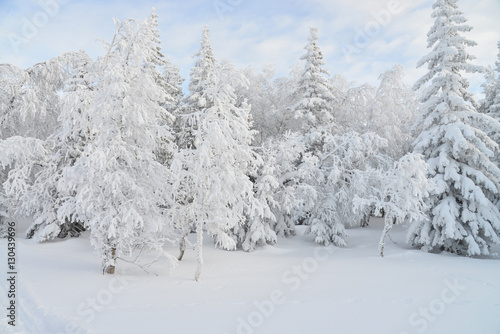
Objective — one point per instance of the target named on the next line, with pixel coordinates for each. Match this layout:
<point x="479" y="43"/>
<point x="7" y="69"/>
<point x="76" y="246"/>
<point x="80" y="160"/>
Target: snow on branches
<point x="455" y="143"/>
<point x="399" y="195"/>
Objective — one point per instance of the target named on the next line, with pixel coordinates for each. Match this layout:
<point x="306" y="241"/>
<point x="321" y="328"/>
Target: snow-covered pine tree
<point x="195" y="100"/>
<point x="169" y="99"/>
<point x="213" y="170"/>
<point x="257" y="229"/>
<point x="119" y="187"/>
<point x="488" y="87"/>
<point x="173" y="80"/>
<point x="185" y="125"/>
<point x="462" y="218"/>
<point x="316" y="100"/>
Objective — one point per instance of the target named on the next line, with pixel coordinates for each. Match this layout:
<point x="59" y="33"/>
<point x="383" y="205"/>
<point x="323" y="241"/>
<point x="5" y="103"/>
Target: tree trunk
<point x="111" y="268"/>
<point x="199" y="244"/>
<point x="182" y="246"/>
<point x="388" y="222"/>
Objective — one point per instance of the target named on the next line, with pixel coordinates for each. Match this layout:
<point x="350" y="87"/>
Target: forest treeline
<point x="114" y="146"/>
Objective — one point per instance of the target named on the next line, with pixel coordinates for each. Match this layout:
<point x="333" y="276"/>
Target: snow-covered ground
<point x="292" y="287"/>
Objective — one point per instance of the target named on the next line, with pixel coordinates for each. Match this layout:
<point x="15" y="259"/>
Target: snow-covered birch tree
<point x="120" y="188"/>
<point x="454" y="142"/>
<point x="347" y="168"/>
<point x="399" y="194"/>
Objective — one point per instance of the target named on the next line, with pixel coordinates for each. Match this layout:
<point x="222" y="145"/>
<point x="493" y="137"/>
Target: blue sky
<point x="360" y="39"/>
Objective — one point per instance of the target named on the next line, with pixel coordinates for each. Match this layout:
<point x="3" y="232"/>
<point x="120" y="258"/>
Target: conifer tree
<point x="212" y="170"/>
<point x="199" y="82"/>
<point x="316" y="98"/>
<point x="462" y="218"/>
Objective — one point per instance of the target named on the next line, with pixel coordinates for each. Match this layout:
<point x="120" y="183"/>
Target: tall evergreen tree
<point x="199" y="82"/>
<point x="488" y="90"/>
<point x="316" y="100"/>
<point x="462" y="217"/>
<point x="173" y="86"/>
<point x="212" y="171"/>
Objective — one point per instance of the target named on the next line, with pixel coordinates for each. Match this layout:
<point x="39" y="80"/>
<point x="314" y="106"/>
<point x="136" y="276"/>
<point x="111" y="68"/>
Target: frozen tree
<point x="257" y="229"/>
<point x="173" y="86"/>
<point x="19" y="159"/>
<point x="394" y="112"/>
<point x="347" y="168"/>
<point x="315" y="106"/>
<point x="462" y="218"/>
<point x="44" y="197"/>
<point x="30" y="99"/>
<point x="195" y="100"/>
<point x="354" y="109"/>
<point x="295" y="170"/>
<point x="399" y="194"/>
<point x="271" y="100"/>
<point x="489" y="90"/>
<point x="119" y="188"/>
<point x="32" y="103"/>
<point x="213" y="170"/>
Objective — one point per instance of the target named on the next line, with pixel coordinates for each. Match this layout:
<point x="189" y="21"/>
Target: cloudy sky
<point x="360" y="38"/>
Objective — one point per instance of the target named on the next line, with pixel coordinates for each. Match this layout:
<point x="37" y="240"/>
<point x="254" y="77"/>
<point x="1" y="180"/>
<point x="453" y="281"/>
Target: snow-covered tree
<point x="44" y="197"/>
<point x="198" y="83"/>
<point x="271" y="100"/>
<point x="19" y="160"/>
<point x="173" y="86"/>
<point x="119" y="187"/>
<point x="294" y="169"/>
<point x="33" y="107"/>
<point x="489" y="90"/>
<point x="257" y="229"/>
<point x="399" y="194"/>
<point x="30" y="99"/>
<point x="347" y="168"/>
<point x="462" y="218"/>
<point x="315" y="106"/>
<point x="354" y="109"/>
<point x="213" y="170"/>
<point x="494" y="108"/>
<point x="394" y="112"/>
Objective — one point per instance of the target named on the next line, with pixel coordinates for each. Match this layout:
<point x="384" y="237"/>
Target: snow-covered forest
<point x="122" y="149"/>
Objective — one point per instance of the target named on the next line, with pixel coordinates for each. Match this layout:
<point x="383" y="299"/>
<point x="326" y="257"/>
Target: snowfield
<point x="295" y="286"/>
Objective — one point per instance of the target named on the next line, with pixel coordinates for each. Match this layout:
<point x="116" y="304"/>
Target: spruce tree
<point x="212" y="183"/>
<point x="462" y="217"/>
<point x="315" y="106"/>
